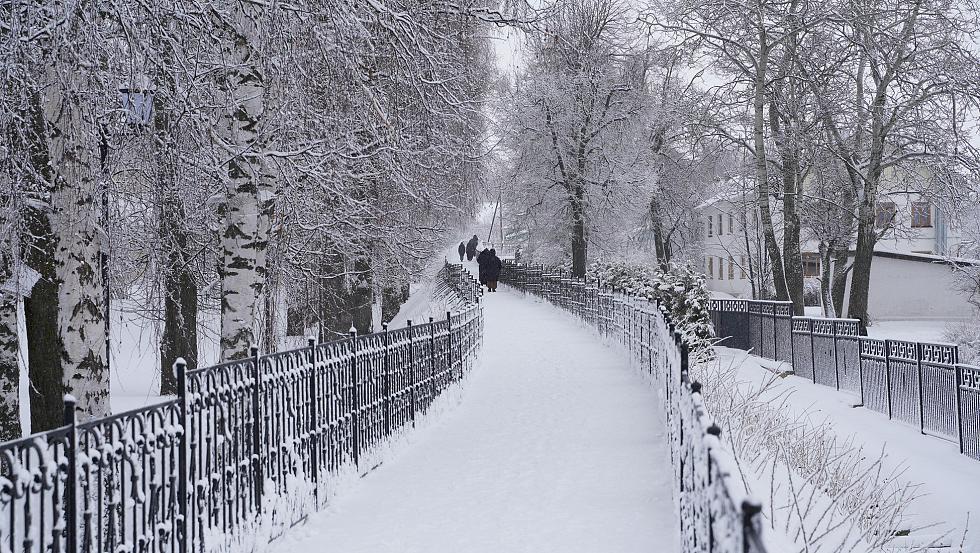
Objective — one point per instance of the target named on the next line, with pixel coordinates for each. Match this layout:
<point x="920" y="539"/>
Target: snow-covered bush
<point x="678" y="287"/>
<point x="966" y="335"/>
<point x="811" y="291"/>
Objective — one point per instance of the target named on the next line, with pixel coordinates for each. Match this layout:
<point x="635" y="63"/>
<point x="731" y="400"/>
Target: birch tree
<point x="76" y="205"/>
<point x="247" y="188"/>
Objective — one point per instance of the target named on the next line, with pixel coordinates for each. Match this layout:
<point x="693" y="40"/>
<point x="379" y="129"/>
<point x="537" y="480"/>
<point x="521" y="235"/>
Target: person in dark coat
<point x="492" y="272"/>
<point x="471" y="248"/>
<point x="482" y="260"/>
<point x="462" y="251"/>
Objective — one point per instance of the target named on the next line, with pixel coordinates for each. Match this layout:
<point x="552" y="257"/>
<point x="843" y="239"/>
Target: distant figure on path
<point x="471" y="248"/>
<point x="462" y="251"/>
<point x="482" y="260"/>
<point x="492" y="265"/>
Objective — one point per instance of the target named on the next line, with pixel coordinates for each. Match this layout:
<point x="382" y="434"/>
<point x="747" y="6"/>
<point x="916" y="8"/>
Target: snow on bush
<point x="966" y="335"/>
<point x="678" y="287"/>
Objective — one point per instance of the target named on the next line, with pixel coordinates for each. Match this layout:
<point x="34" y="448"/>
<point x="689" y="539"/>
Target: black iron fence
<point x="248" y="446"/>
<point x="714" y="513"/>
<point x="921" y="384"/>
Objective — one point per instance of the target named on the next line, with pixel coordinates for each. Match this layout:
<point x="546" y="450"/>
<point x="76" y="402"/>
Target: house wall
<point x="905" y="289"/>
<point x="722" y="249"/>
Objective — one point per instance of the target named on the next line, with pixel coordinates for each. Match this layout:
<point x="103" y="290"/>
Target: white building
<point x="910" y="278"/>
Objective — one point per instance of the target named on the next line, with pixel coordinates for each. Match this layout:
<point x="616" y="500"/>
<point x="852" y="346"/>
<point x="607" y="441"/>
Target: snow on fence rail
<point x="921" y="384"/>
<point x="248" y="446"/>
<point x="714" y="512"/>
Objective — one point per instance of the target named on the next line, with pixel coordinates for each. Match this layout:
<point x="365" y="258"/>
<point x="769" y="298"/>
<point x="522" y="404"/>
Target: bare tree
<point x="574" y="121"/>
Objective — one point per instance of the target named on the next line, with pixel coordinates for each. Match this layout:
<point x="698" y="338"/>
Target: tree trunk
<point x="241" y="277"/>
<point x="857" y="304"/>
<point x="579" y="238"/>
<point x="9" y="371"/>
<point x="792" y="257"/>
<point x="179" y="297"/>
<point x="826" y="254"/>
<point x="839" y="286"/>
<point x="762" y="174"/>
<point x="179" y="287"/>
<point x="38" y="242"/>
<point x="76" y="203"/>
<point x="661" y="242"/>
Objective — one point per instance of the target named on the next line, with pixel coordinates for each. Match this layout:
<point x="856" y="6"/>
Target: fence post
<point x="888" y="377"/>
<point x="432" y="359"/>
<point x="314" y="436"/>
<point x="750" y="510"/>
<point x="449" y="348"/>
<point x="918" y="378"/>
<point x="355" y="399"/>
<point x="180" y="371"/>
<point x="684" y="351"/>
<point x="71" y="478"/>
<point x="836" y="360"/>
<point x="958" y="378"/>
<point x="258" y="426"/>
<point x="387" y="378"/>
<point x="411" y="369"/>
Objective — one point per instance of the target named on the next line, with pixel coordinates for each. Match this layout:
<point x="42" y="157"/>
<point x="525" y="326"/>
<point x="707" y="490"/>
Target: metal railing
<point x="246" y="444"/>
<point x="918" y="383"/>
<point x="714" y="513"/>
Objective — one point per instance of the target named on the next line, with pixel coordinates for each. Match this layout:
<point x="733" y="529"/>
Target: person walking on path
<point x="471" y="248"/>
<point x="482" y="261"/>
<point x="462" y="251"/>
<point x="492" y="273"/>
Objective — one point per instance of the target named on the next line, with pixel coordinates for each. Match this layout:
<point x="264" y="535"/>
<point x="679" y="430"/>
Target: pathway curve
<point x="556" y="445"/>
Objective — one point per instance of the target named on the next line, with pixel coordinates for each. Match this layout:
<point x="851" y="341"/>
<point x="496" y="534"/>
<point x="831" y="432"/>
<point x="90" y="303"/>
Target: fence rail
<point x="918" y="383"/>
<point x="246" y="443"/>
<point x="714" y="513"/>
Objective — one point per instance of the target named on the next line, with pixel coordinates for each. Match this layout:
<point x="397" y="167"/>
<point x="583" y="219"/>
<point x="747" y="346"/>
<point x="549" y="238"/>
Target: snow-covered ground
<point x="948" y="501"/>
<point x="556" y="446"/>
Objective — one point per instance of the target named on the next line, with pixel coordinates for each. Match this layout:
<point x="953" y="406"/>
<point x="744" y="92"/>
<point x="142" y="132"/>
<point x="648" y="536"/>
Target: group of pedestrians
<point x="487" y="259"/>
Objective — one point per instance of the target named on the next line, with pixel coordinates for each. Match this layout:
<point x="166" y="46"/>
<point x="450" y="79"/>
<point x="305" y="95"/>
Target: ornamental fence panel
<point x="713" y="510"/>
<point x="247" y="443"/>
<point x="920" y="384"/>
<point x="968" y="398"/>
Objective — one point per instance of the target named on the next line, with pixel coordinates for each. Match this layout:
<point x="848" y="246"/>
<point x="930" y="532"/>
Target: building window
<point x="921" y="214"/>
<point x="720" y="228"/>
<point x="731" y="224"/>
<point x="711" y="267"/>
<point x="721" y="268"/>
<point x="744" y="265"/>
<point x="711" y="226"/>
<point x="731" y="268"/>
<point x="811" y="265"/>
<point x="885" y="214"/>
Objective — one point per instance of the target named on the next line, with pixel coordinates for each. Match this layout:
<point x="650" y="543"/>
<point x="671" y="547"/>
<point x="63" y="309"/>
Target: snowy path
<point x="556" y="445"/>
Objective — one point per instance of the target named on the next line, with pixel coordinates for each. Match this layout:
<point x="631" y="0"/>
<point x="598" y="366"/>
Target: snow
<point x="556" y="445"/>
<point x="947" y="503"/>
<point x="913" y="331"/>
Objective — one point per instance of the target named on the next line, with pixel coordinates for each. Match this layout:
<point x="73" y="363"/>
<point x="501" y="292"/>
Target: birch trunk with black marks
<point x="38" y="245"/>
<point x="242" y="239"/>
<point x="762" y="170"/>
<point x="76" y="203"/>
<point x="9" y="371"/>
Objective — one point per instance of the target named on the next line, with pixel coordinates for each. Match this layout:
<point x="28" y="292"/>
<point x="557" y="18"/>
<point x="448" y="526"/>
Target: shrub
<point x="679" y="288"/>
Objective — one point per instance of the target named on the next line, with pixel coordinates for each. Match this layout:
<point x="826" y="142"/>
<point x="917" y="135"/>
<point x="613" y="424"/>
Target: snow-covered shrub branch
<point x="829" y="494"/>
<point x="678" y="287"/>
